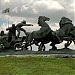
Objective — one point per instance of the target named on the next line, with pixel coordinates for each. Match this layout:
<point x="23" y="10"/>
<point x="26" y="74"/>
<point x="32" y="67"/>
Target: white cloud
<point x="3" y="27"/>
<point x="6" y="0"/>
<point x="46" y="5"/>
<point x="23" y="8"/>
<point x="72" y="5"/>
<point x="54" y="5"/>
<point x="15" y="10"/>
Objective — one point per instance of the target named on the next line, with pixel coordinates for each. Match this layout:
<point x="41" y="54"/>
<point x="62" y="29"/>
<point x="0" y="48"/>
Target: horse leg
<point x="68" y="43"/>
<point x="53" y="46"/>
<point x="29" y="39"/>
<point x="41" y="47"/>
<point x="74" y="41"/>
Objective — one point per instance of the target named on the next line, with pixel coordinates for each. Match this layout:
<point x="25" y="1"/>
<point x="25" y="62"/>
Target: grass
<point x="36" y="66"/>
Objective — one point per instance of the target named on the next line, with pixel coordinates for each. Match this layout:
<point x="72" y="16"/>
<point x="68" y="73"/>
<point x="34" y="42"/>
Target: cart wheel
<point x="1" y="47"/>
<point x="18" y="47"/>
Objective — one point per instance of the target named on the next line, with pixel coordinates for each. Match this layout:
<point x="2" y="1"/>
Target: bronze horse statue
<point x="46" y="35"/>
<point x="66" y="31"/>
<point x="42" y="36"/>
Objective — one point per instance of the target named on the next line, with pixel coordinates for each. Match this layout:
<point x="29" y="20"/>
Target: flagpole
<point x="7" y="11"/>
<point x="8" y="17"/>
<point x="8" y="20"/>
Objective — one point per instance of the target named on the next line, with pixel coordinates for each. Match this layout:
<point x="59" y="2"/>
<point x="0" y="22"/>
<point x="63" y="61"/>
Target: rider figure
<point x="11" y="33"/>
<point x="19" y="25"/>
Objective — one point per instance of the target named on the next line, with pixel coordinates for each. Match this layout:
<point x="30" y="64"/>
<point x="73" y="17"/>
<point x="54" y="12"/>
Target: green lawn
<point x="36" y="66"/>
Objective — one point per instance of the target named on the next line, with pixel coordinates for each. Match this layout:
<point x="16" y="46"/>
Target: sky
<point x="30" y="10"/>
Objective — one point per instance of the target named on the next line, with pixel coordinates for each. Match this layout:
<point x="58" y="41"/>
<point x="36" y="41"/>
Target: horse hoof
<point x="54" y="47"/>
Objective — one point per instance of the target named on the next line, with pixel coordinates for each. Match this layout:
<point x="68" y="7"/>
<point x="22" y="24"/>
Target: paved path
<point x="25" y="52"/>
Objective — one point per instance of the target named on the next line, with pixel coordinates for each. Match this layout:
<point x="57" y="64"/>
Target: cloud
<point x="3" y="27"/>
<point x="68" y="5"/>
<point x="44" y="5"/>
<point x="31" y="9"/>
<point x="6" y="1"/>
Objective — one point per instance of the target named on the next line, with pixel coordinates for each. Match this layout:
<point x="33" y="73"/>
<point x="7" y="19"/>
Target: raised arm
<point x="27" y="25"/>
<point x="8" y="28"/>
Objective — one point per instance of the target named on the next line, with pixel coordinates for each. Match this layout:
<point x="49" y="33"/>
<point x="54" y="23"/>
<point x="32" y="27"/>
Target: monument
<point x="41" y="37"/>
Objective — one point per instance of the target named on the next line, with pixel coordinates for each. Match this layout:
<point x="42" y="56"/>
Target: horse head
<point x="43" y="18"/>
<point x="64" y="20"/>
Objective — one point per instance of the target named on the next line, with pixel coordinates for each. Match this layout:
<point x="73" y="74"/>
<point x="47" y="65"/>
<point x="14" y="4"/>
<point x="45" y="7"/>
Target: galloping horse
<point x="66" y="31"/>
<point x="44" y="35"/>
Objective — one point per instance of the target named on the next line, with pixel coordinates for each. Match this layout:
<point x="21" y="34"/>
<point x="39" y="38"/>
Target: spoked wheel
<point x="18" y="46"/>
<point x="41" y="47"/>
